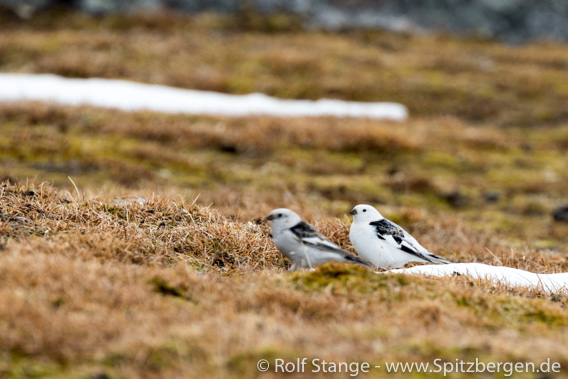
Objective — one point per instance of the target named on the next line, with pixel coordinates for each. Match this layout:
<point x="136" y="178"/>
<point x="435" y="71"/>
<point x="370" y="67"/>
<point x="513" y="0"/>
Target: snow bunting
<point x="304" y="245"/>
<point x="384" y="243"/>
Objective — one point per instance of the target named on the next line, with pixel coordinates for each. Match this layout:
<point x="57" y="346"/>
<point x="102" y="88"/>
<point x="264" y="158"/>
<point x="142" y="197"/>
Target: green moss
<point x="551" y="317"/>
<point x="162" y="357"/>
<point x="27" y="368"/>
<point x="351" y="279"/>
<point x="514" y="311"/>
<point x="439" y="160"/>
<point x="19" y="366"/>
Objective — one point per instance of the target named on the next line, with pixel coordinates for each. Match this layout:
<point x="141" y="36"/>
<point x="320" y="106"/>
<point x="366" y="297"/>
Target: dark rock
<point x="227" y="148"/>
<point x="455" y="198"/>
<point x="394" y="170"/>
<point x="513" y="21"/>
<point x="116" y="6"/>
<point x="491" y="196"/>
<point x="561" y="214"/>
<point x="193" y="6"/>
<point x="527" y="147"/>
<point x="26" y="8"/>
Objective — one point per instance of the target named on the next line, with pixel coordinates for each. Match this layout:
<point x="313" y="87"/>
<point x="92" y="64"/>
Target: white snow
<point x="551" y="283"/>
<point x="131" y="96"/>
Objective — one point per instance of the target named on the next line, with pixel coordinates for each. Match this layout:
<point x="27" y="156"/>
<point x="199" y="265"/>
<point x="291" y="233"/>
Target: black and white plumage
<point x="303" y="244"/>
<point x="384" y="243"/>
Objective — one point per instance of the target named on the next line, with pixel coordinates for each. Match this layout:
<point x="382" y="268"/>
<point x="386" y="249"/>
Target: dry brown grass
<point x="432" y="75"/>
<point x="152" y="231"/>
<point x="245" y="134"/>
<point x="150" y="287"/>
<point x="160" y="265"/>
<point x="335" y="163"/>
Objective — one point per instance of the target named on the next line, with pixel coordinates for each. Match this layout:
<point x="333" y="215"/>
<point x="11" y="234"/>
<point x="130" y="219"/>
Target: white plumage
<point x="304" y="245"/>
<point x="384" y="243"/>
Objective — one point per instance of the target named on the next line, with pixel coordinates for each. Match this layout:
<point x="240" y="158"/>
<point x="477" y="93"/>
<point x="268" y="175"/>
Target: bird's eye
<point x="279" y="214"/>
<point x="364" y="210"/>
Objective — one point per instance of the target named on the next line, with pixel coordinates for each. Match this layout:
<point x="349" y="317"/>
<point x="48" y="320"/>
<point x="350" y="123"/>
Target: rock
<point x="560" y="214"/>
<point x="513" y="21"/>
<point x="527" y="147"/>
<point x="455" y="198"/>
<point x="116" y="6"/>
<point x="491" y="196"/>
<point x="26" y="8"/>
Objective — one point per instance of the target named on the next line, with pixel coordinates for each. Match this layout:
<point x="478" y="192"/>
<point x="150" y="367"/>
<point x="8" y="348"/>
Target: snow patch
<point x="550" y="283"/>
<point x="131" y="96"/>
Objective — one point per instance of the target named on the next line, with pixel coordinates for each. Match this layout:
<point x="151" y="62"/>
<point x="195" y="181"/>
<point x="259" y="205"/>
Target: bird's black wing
<point x="307" y="234"/>
<point x="396" y="237"/>
<point x="355" y="259"/>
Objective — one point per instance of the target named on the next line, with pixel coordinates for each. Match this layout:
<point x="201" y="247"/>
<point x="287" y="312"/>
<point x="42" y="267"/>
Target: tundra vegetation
<point x="156" y="260"/>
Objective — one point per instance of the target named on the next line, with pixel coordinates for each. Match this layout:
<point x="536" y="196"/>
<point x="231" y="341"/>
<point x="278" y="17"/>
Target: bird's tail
<point x="358" y="260"/>
<point x="436" y="259"/>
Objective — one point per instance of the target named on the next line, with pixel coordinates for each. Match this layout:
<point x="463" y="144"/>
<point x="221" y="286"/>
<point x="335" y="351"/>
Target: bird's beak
<point x="353" y="212"/>
<point x="270" y="217"/>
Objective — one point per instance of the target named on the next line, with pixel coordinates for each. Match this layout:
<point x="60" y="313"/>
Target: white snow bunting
<point x="384" y="243"/>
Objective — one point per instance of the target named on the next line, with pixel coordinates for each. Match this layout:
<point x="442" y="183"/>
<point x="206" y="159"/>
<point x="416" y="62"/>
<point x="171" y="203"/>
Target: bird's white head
<point x="283" y="218"/>
<point x="365" y="212"/>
